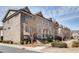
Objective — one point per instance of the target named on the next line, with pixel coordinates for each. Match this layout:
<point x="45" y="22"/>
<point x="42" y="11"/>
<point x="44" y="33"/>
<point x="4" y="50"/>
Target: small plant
<point x="22" y="42"/>
<point x="59" y="44"/>
<point x="75" y="44"/>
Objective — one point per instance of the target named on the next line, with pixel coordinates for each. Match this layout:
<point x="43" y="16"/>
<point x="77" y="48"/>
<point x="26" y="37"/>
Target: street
<point x="5" y="49"/>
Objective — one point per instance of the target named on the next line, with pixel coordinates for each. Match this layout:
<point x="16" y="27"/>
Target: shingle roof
<point x="25" y="9"/>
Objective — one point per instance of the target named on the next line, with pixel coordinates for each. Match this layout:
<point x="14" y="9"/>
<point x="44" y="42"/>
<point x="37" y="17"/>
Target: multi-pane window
<point x="28" y="29"/>
<point x="25" y="18"/>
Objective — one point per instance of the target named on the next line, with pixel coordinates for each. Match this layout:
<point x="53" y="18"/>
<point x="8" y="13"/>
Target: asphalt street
<point x="5" y="49"/>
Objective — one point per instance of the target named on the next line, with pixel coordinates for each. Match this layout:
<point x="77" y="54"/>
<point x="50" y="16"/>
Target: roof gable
<point x="13" y="12"/>
<point x="10" y="13"/>
<point x="40" y="14"/>
<point x="26" y="9"/>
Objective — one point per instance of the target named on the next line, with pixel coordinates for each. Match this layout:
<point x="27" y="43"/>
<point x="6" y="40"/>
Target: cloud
<point x="73" y="17"/>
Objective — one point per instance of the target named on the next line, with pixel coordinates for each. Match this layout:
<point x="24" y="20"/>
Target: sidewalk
<point x="37" y="48"/>
<point x="61" y="50"/>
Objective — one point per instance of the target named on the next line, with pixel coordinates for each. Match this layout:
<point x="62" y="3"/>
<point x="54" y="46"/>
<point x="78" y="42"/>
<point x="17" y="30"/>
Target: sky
<point x="67" y="16"/>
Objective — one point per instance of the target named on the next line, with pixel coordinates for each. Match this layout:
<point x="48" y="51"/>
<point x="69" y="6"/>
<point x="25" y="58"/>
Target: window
<point x="26" y="29"/>
<point x="43" y="35"/>
<point x="25" y="18"/>
<point x="30" y="29"/>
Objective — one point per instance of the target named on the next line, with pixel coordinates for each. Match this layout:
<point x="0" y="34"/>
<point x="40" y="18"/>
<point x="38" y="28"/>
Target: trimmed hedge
<point x="59" y="44"/>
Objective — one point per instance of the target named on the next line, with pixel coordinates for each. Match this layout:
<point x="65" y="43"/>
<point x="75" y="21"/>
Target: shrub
<point x="7" y="41"/>
<point x="11" y="42"/>
<point x="22" y="42"/>
<point x="49" y="39"/>
<point x="72" y="37"/>
<point x="4" y="41"/>
<point x="75" y="44"/>
<point x="44" y="41"/>
<point x="59" y="44"/>
<point x="1" y="39"/>
<point x="26" y="41"/>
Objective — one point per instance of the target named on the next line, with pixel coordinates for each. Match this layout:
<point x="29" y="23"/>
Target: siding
<point x="12" y="29"/>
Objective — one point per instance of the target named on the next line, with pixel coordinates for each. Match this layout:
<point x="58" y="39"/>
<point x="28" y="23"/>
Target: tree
<point x="55" y="26"/>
